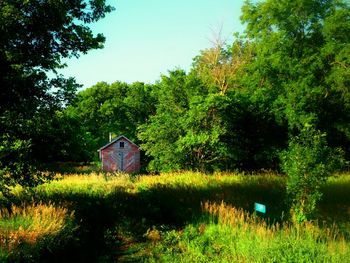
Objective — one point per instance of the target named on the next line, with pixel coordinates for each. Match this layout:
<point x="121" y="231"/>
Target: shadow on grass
<point x="109" y="223"/>
<point x="335" y="205"/>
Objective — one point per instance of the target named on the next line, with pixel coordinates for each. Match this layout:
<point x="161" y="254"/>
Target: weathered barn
<point x="120" y="154"/>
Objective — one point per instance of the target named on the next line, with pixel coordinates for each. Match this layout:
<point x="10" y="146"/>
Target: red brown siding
<point x="117" y="158"/>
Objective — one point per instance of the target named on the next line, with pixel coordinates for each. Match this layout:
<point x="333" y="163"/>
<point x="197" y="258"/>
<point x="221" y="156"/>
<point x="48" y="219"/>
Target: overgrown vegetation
<point x="172" y="217"/>
<point x="33" y="95"/>
<point x="29" y="232"/>
<point x="228" y="234"/>
<point x="308" y="162"/>
<point x="276" y="98"/>
<point x="246" y="104"/>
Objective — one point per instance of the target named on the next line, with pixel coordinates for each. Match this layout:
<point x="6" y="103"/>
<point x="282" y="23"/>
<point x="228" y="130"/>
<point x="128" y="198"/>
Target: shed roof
<point x="117" y="139"/>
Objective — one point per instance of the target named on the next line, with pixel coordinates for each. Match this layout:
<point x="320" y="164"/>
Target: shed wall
<point x="117" y="158"/>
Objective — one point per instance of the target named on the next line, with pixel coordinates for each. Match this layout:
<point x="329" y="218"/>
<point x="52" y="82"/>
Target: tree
<point x="34" y="38"/>
<point x="308" y="162"/>
<point x="249" y="135"/>
<point x="101" y="110"/>
<point x="204" y="126"/>
<point x="160" y="133"/>
<point x="221" y="67"/>
<point x="301" y="57"/>
<point x="118" y="108"/>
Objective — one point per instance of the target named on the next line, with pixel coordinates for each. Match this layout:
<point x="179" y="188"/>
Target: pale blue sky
<point x="146" y="38"/>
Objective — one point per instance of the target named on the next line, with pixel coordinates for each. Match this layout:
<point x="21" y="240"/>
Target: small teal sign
<point x="260" y="208"/>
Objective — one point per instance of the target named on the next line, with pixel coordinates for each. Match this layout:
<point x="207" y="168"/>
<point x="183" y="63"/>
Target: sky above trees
<point x="145" y="39"/>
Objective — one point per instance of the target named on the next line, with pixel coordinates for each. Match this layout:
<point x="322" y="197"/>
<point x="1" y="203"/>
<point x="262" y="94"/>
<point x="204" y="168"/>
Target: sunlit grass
<point x="229" y="234"/>
<point x="181" y="217"/>
<point x="92" y="184"/>
<point x="200" y="180"/>
<point x="30" y="224"/>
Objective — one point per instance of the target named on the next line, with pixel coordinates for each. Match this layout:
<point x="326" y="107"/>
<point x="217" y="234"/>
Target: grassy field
<point x="177" y="217"/>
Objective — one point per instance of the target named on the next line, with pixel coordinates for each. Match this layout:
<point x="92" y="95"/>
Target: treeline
<point x="242" y="105"/>
<point x="180" y="122"/>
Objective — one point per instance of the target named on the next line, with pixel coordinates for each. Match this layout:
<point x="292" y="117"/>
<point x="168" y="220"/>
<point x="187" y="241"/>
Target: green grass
<point x="26" y="232"/>
<point x="231" y="235"/>
<point x="180" y="217"/>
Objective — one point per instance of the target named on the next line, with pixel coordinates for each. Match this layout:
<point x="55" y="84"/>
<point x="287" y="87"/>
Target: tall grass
<point x="27" y="231"/>
<point x="233" y="235"/>
<point x="92" y="184"/>
<point x="180" y="217"/>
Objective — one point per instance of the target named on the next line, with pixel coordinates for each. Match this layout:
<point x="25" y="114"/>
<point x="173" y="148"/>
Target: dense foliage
<point x="300" y="64"/>
<point x="276" y="98"/>
<point x="240" y="104"/>
<point x="34" y="38"/>
<point x="118" y="108"/>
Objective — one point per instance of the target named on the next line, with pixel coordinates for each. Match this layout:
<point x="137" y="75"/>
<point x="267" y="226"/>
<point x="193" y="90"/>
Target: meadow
<point x="173" y="217"/>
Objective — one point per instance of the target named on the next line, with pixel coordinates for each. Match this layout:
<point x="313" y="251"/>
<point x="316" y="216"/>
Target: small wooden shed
<point x="120" y="155"/>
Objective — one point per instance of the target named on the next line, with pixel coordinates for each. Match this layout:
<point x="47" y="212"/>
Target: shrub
<point x="308" y="162"/>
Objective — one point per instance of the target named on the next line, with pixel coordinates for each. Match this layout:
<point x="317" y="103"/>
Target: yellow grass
<point x="30" y="223"/>
<point x="245" y="224"/>
<point x="94" y="183"/>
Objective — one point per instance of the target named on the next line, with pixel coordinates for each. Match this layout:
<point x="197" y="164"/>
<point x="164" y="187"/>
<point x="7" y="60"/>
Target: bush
<point x="16" y="166"/>
<point x="308" y="162"/>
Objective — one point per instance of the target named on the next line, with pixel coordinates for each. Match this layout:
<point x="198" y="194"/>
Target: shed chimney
<point x="110" y="137"/>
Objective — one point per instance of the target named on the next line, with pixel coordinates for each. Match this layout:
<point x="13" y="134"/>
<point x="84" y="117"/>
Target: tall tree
<point x="160" y="133"/>
<point x="206" y="120"/>
<point x="221" y="67"/>
<point x="301" y="57"/>
<point x="34" y="38"/>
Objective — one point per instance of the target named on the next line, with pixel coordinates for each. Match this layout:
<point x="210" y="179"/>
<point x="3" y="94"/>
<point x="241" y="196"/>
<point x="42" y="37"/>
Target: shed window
<point x="121" y="144"/>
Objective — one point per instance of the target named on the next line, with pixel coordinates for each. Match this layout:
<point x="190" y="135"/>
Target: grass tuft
<point x="32" y="228"/>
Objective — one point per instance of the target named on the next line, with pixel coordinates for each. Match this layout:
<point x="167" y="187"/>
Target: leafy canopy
<point x="34" y="38"/>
